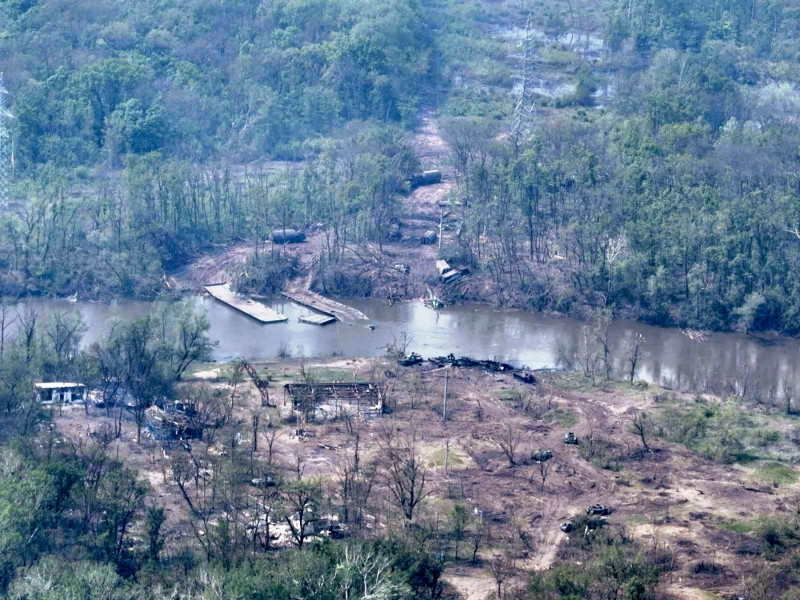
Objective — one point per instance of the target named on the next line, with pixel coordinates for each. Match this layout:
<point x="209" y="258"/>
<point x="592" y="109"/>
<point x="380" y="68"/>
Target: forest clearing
<point x="694" y="513"/>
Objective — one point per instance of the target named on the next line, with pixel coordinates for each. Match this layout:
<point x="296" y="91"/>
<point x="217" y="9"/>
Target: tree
<point x="544" y="470"/>
<point x="788" y="392"/>
<point x="600" y="330"/>
<point x="6" y="321"/>
<point x="55" y="578"/>
<point x="64" y="333"/>
<point x="144" y="361"/>
<point x="207" y="413"/>
<point x="749" y="311"/>
<point x="192" y="343"/>
<point x="356" y="483"/>
<point x="459" y="522"/>
<point x="633" y="353"/>
<point x="121" y="496"/>
<point x="154" y="520"/>
<point x="509" y="440"/>
<point x="301" y="500"/>
<point x="404" y="472"/>
<point x="640" y="424"/>
<point x="502" y="567"/>
<point x="272" y="436"/>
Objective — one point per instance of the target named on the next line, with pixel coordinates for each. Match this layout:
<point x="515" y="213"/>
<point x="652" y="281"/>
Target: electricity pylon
<point x="523" y="122"/>
<point x="5" y="147"/>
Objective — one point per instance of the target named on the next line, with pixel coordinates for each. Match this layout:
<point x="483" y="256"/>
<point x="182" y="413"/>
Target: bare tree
<point x="301" y="503"/>
<point x="600" y="331"/>
<point x="256" y="420"/>
<point x="355" y="486"/>
<point x="788" y="392"/>
<point x="368" y="571"/>
<point x="416" y="390"/>
<point x="64" y="333"/>
<point x="404" y="472"/>
<point x="502" y="567"/>
<point x="207" y="412"/>
<point x="587" y="352"/>
<point x="640" y="425"/>
<point x="509" y="440"/>
<point x="27" y="327"/>
<point x="273" y="435"/>
<point x="6" y="321"/>
<point x="475" y="538"/>
<point x="544" y="470"/>
<point x="109" y="372"/>
<point x="633" y="354"/>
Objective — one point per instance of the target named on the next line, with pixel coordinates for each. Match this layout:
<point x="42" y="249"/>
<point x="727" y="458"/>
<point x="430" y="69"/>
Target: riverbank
<point x="758" y="368"/>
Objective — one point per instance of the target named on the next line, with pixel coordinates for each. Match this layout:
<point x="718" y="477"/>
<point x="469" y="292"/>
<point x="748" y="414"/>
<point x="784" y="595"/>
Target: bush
<point x="266" y="273"/>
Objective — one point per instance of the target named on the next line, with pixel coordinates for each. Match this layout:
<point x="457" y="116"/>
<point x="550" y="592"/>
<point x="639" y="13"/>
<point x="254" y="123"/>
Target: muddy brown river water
<point x="744" y="363"/>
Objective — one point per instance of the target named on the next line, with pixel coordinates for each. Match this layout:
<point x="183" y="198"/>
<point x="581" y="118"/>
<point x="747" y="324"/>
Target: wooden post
<point x="446" y="456"/>
<point x="444" y="400"/>
<point x="441" y="225"/>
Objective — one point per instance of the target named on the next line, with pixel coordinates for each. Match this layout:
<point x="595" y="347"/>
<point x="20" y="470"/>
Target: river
<point x="668" y="357"/>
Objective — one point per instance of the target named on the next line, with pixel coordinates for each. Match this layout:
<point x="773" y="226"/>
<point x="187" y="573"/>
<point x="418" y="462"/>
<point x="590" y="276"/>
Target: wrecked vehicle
<point x="541" y="455"/>
<point x="598" y="510"/>
<point x="410" y="361"/>
<point x="525" y="377"/>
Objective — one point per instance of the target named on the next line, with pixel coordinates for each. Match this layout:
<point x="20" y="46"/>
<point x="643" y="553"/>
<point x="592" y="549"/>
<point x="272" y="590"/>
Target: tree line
<point x="197" y="80"/>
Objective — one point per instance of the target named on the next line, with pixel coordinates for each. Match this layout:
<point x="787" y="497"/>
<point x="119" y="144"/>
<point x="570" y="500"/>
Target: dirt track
<point x="419" y="213"/>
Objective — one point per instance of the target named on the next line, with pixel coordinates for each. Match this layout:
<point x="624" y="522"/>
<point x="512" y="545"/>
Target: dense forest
<point x="679" y="202"/>
<point x="195" y="80"/>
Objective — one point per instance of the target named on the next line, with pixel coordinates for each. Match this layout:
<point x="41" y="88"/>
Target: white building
<point x="59" y="392"/>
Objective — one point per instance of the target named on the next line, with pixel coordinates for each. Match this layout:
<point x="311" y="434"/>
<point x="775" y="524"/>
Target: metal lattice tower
<point x="524" y="121"/>
<point x="5" y="147"/>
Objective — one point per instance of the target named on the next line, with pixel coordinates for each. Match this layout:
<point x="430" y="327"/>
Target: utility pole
<point x="444" y="400"/>
<point x="5" y="145"/>
<point x="441" y="224"/>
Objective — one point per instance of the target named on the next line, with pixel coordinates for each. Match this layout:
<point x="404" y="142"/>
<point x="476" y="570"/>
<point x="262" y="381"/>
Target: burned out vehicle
<point x="410" y="361"/>
<point x="598" y="510"/>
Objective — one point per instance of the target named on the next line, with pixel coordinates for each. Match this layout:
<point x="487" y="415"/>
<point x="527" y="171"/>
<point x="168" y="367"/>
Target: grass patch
<point x="775" y="472"/>
<point x="638" y="519"/>
<point x="509" y="394"/>
<point x="456" y="459"/>
<point x="327" y="374"/>
<point x="764" y="438"/>
<point x="566" y="418"/>
<point x="744" y="527"/>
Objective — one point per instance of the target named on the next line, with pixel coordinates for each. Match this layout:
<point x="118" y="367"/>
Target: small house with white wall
<point x="59" y="392"/>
